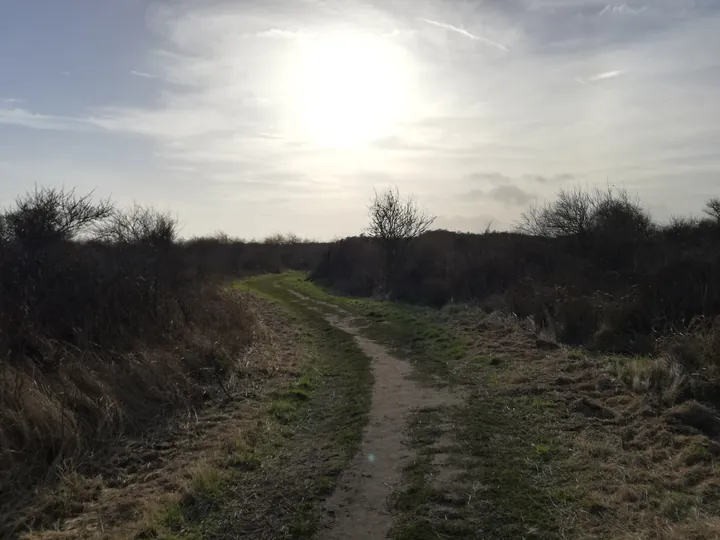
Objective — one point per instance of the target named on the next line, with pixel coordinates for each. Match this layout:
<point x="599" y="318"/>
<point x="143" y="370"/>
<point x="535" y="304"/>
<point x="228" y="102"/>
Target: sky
<point x="254" y="117"/>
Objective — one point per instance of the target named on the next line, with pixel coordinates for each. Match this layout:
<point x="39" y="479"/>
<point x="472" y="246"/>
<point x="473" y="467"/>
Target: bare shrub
<point x="603" y="215"/>
<point x="394" y="223"/>
<point x="46" y="215"/>
<point x="592" y="265"/>
<point x="712" y="208"/>
<point x="569" y="215"/>
<point x="139" y="225"/>
<point x="697" y="347"/>
<point x="103" y="326"/>
<point x="616" y="215"/>
<point x="280" y="239"/>
<point x="681" y="228"/>
<point x="576" y="319"/>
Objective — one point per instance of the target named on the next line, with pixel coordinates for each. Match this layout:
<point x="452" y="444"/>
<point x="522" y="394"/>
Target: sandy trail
<point x="359" y="506"/>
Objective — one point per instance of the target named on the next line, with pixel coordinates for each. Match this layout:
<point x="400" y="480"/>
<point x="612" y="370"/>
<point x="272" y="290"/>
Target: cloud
<point x="599" y="77"/>
<point x="506" y="194"/>
<point x="143" y="75"/>
<point x="24" y="118"/>
<point x="622" y="9"/>
<point x="552" y="179"/>
<point x="605" y="75"/>
<point x="465" y="33"/>
<point x="394" y="142"/>
<point x="225" y="108"/>
<point x="279" y="33"/>
<point x="490" y="177"/>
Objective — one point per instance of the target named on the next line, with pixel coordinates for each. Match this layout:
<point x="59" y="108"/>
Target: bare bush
<point x="584" y="214"/>
<point x="681" y="227"/>
<point x="712" y="209"/>
<point x="98" y="334"/>
<point x="394" y="223"/>
<point x="46" y="215"/>
<point x="569" y="215"/>
<point x="616" y="215"/>
<point x="280" y="239"/>
<point x="626" y="282"/>
<point x="139" y="225"/>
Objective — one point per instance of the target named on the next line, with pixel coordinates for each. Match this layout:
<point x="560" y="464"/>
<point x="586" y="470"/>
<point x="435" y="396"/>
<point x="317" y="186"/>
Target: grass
<point x="206" y="481"/>
<point x="517" y="458"/>
<point x="306" y="435"/>
<point x="73" y="414"/>
<point x="496" y="489"/>
<point x="502" y="462"/>
<point x="413" y="332"/>
<point x="660" y="376"/>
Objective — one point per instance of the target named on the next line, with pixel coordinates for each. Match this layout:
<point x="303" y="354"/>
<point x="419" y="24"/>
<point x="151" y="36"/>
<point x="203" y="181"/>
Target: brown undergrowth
<point x="56" y="421"/>
<point x="255" y="459"/>
<point x="552" y="441"/>
<point x="144" y="484"/>
<point x="621" y="447"/>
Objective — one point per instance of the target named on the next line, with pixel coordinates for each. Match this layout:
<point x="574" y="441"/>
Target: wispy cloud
<point x="279" y="33"/>
<point x="600" y="76"/>
<point x="24" y="118"/>
<point x="465" y="33"/>
<point x="490" y="178"/>
<point x="510" y="195"/>
<point x="143" y="75"/>
<point x="605" y="75"/>
<point x="622" y="8"/>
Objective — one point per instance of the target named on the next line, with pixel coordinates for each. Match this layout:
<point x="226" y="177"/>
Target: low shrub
<point x="104" y="325"/>
<point x="590" y="267"/>
<point x="576" y="320"/>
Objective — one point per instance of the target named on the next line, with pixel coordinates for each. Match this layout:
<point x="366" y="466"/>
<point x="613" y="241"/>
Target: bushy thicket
<point x="107" y="319"/>
<point x="221" y="255"/>
<point x="591" y="266"/>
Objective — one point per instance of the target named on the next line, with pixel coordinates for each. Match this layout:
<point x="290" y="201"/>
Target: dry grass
<point x="59" y="419"/>
<point x="639" y="459"/>
<point x="661" y="376"/>
<point x="563" y="443"/>
<point x="154" y="484"/>
<point x="103" y="329"/>
<point x="688" y="366"/>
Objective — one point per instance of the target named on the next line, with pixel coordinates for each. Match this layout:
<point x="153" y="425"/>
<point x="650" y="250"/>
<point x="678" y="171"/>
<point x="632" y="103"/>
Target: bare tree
<point x="712" y="208"/>
<point x="618" y="215"/>
<point x="139" y="225"/>
<point x="581" y="213"/>
<point x="569" y="215"/>
<point x="279" y="239"/>
<point x="47" y="215"/>
<point x="533" y="221"/>
<point x="394" y="223"/>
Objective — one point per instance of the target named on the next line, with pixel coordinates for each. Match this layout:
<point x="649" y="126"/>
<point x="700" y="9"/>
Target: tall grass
<point x="104" y="325"/>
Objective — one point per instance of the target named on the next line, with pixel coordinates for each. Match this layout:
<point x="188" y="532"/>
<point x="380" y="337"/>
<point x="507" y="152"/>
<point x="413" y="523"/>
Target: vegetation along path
<point x="363" y="419"/>
<point x="360" y="505"/>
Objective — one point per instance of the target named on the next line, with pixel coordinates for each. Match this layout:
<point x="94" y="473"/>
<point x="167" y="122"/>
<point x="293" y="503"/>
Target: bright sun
<point x="350" y="89"/>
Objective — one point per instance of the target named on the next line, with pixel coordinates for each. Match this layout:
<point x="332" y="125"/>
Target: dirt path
<point x="359" y="506"/>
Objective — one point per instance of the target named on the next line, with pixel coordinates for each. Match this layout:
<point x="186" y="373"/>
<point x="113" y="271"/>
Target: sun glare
<point x="350" y="89"/>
